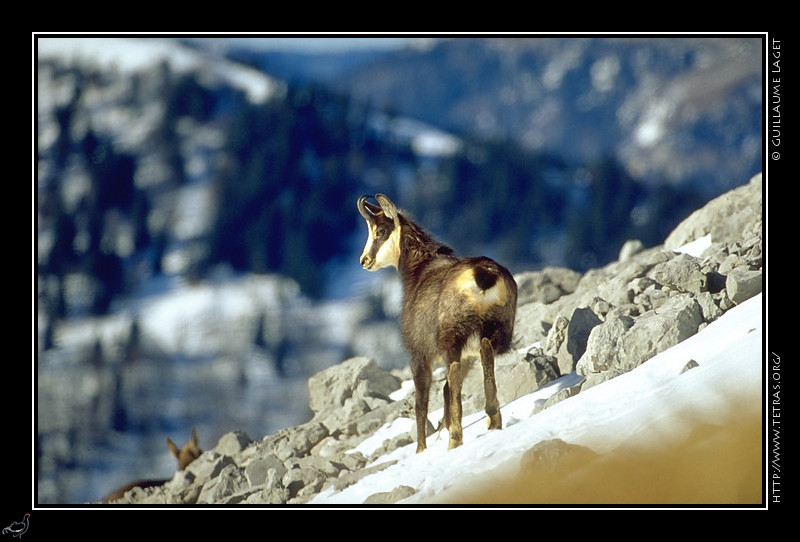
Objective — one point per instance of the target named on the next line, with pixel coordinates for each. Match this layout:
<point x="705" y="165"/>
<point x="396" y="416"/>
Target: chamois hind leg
<point x="494" y="417"/>
<point x="422" y="385"/>
<point x="453" y="405"/>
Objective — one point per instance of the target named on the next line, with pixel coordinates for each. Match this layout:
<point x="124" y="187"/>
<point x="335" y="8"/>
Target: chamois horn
<point x="365" y="211"/>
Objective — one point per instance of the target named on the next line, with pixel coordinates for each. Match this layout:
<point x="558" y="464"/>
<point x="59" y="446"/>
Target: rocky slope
<point x="598" y="325"/>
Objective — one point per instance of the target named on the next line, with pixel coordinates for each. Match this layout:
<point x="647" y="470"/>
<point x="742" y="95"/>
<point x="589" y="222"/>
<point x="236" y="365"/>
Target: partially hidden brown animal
<point x="451" y="305"/>
<point x="185" y="455"/>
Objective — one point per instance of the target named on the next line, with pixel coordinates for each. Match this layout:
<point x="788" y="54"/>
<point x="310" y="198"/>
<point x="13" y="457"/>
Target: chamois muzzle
<point x="367" y="257"/>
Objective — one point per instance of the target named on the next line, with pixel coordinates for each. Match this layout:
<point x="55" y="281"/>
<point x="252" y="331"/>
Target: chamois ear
<point x="172" y="448"/>
<point x="387" y="206"/>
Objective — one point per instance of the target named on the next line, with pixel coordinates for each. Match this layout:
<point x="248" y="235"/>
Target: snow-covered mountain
<point x="228" y="350"/>
<point x="137" y="55"/>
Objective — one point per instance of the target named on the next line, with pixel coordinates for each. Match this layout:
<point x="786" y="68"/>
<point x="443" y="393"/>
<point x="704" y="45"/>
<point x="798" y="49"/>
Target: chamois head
<point x="186" y="453"/>
<point x="383" y="230"/>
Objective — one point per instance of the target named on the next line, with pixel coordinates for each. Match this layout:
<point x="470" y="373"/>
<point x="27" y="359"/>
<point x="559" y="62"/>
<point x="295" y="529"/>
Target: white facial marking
<point x="366" y="261"/>
<point x="389" y="252"/>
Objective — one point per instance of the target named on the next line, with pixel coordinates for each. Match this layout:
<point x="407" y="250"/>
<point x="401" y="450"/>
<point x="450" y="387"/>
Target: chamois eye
<point x="381" y="232"/>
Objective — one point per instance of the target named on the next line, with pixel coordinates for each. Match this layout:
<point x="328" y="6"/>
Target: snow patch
<point x="697" y="247"/>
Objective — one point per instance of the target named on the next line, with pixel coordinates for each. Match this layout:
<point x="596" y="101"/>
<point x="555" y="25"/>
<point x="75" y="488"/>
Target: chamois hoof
<point x="455" y="443"/>
<point x="494" y="421"/>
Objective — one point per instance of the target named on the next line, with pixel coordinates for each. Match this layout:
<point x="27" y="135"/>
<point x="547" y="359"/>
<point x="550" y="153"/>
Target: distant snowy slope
<point x="136" y="54"/>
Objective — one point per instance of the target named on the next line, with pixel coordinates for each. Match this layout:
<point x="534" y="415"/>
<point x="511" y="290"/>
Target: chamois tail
<point x="486" y="274"/>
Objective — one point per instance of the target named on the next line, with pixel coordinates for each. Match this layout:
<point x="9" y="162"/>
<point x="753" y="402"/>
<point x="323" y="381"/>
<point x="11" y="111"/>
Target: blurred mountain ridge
<point x="662" y="106"/>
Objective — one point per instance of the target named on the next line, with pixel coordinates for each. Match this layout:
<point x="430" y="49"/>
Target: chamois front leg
<point x="494" y="418"/>
<point x="444" y="423"/>
<point x="422" y="386"/>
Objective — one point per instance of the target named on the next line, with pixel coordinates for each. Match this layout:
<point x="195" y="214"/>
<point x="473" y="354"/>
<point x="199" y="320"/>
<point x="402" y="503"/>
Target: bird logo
<point x="17" y="528"/>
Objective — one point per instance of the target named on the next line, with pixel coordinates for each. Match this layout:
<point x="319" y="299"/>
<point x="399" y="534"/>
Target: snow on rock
<point x="654" y="396"/>
<point x="696" y="247"/>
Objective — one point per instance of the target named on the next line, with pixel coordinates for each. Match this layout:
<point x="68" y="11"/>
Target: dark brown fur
<point x="447" y="301"/>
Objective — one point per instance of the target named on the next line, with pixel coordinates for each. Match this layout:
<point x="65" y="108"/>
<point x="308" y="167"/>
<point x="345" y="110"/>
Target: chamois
<point x="450" y="305"/>
<point x="185" y="455"/>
